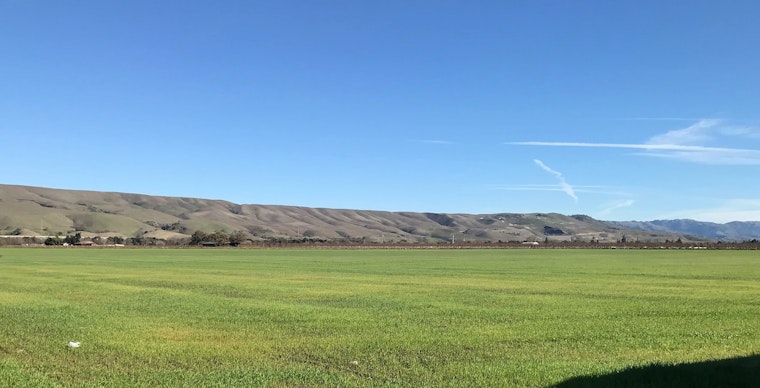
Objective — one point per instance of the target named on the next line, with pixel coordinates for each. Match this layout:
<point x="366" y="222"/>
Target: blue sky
<point x="633" y="110"/>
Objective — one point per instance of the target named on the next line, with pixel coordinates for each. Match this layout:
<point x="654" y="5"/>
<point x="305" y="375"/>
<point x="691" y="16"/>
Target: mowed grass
<point x="236" y="317"/>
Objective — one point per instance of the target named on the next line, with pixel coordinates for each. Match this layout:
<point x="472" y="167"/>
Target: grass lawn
<point x="237" y="317"/>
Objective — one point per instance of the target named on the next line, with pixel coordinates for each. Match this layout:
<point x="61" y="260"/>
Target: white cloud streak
<point x="563" y="185"/>
<point x="653" y="147"/>
<point x="440" y="142"/>
<point x="611" y="207"/>
<point x="694" y="134"/>
<point x="576" y="188"/>
<point x="683" y="144"/>
<point x="660" y="119"/>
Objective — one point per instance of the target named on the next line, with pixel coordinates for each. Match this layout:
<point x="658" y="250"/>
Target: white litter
<point x="73" y="344"/>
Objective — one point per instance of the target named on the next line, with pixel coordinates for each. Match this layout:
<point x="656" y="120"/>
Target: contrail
<point x="562" y="183"/>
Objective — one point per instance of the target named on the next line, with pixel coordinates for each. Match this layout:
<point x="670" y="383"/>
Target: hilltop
<point x="730" y="231"/>
<point x="37" y="211"/>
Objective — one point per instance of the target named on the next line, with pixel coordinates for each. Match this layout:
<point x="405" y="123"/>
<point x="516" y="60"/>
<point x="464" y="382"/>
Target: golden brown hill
<point x="45" y="212"/>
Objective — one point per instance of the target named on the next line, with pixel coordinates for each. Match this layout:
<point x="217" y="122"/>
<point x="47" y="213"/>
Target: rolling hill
<point x="37" y="211"/>
<point x="730" y="231"/>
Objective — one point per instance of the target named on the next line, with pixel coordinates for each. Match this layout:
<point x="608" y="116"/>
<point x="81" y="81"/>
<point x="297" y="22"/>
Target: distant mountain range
<point x="731" y="231"/>
<point x="37" y="211"/>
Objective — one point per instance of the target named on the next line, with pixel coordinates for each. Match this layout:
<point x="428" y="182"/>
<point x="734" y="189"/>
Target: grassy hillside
<point x="43" y="212"/>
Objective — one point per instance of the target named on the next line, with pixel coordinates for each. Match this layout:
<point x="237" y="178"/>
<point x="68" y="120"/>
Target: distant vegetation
<point x="218" y="238"/>
<point x="240" y="239"/>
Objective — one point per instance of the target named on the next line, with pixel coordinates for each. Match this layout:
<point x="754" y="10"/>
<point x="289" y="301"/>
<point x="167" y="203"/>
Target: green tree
<point x="219" y="237"/>
<point x="53" y="241"/>
<point x="236" y="238"/>
<point x="73" y="239"/>
<point x="115" y="240"/>
<point x="198" y="237"/>
<point x="138" y="238"/>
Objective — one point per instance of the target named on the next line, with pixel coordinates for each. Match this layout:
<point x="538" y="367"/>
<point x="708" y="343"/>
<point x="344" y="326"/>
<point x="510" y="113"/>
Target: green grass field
<point x="237" y="317"/>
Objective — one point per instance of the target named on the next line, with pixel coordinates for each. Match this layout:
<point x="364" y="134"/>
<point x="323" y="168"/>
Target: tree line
<point x="240" y="238"/>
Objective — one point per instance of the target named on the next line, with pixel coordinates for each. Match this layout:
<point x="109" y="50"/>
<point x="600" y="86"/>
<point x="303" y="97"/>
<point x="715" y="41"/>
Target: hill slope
<point x="43" y="211"/>
<point x="731" y="231"/>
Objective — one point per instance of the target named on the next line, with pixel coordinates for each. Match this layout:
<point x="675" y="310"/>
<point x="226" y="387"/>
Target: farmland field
<point x="249" y="317"/>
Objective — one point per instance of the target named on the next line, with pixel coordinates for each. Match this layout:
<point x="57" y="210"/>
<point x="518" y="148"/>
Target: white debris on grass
<point x="73" y="344"/>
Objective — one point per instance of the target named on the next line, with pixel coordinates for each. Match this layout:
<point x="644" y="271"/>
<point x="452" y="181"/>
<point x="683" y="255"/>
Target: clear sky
<point x="621" y="110"/>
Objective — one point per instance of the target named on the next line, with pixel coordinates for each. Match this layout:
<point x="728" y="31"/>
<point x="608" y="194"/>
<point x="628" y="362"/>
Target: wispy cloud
<point x="660" y="119"/>
<point x="684" y="144"/>
<point x="429" y="141"/>
<point x="605" y="190"/>
<point x="698" y="133"/>
<point x="612" y="206"/>
<point x="563" y="185"/>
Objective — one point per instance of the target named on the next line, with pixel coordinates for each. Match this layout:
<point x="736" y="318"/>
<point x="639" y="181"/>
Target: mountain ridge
<point x="729" y="231"/>
<point x="29" y="210"/>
